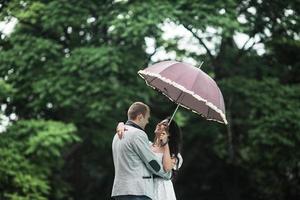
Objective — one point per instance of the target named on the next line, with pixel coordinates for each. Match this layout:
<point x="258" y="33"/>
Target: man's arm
<point x="141" y="147"/>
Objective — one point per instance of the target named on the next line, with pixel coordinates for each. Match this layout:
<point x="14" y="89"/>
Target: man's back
<point x="134" y="164"/>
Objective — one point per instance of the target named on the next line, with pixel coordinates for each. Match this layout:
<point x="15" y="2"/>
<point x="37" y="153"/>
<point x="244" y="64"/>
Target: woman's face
<point x="161" y="126"/>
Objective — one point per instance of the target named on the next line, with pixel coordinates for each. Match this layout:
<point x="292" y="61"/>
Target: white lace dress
<point x="163" y="189"/>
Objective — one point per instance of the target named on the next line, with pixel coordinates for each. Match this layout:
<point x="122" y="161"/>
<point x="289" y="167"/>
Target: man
<point x="134" y="161"/>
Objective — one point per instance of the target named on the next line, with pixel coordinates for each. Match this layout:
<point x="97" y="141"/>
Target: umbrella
<point x="187" y="86"/>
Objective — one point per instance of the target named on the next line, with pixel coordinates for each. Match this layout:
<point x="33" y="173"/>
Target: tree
<point x="73" y="64"/>
<point x="32" y="159"/>
<point x="76" y="63"/>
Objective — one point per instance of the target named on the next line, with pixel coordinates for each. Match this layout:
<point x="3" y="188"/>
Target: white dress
<point x="163" y="189"/>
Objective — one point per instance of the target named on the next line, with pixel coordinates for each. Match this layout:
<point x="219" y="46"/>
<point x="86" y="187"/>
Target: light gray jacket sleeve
<point x="142" y="148"/>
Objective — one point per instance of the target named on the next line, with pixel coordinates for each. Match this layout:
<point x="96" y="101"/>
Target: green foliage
<point x="31" y="152"/>
<point x="5" y="90"/>
<point x="207" y="13"/>
<point x="76" y="62"/>
<point x="269" y="137"/>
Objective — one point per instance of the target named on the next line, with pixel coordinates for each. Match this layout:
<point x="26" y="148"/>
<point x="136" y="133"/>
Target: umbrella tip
<point x="200" y="65"/>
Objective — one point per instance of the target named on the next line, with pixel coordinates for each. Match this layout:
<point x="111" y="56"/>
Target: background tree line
<point x="69" y="72"/>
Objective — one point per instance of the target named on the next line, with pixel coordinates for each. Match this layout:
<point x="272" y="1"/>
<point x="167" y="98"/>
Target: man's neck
<point x="136" y="123"/>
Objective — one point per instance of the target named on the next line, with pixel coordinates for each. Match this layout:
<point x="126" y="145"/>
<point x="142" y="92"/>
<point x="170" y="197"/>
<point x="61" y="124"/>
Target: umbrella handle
<point x="173" y="115"/>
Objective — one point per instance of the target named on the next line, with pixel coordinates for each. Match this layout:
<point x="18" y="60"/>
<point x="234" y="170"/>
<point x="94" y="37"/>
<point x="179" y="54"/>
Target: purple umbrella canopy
<point x="188" y="86"/>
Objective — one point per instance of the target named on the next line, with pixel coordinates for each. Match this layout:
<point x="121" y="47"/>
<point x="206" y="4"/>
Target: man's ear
<point x="140" y="116"/>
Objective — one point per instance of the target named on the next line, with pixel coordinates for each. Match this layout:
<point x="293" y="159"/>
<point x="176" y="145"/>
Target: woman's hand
<point x="121" y="130"/>
<point x="164" y="138"/>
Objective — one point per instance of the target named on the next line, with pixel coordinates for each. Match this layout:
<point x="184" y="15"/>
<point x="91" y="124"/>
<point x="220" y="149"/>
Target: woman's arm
<point x="168" y="163"/>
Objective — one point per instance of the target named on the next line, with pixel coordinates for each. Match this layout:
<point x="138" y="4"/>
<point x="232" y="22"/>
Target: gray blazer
<point x="135" y="164"/>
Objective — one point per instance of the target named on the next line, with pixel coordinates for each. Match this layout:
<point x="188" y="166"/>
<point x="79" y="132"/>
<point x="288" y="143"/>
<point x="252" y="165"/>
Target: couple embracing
<point x="143" y="170"/>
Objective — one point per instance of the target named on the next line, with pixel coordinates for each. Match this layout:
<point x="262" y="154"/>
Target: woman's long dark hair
<point x="175" y="138"/>
<point x="175" y="141"/>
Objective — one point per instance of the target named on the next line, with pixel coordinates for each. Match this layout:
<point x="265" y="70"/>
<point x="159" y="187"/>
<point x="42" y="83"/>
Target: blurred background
<point x="68" y="73"/>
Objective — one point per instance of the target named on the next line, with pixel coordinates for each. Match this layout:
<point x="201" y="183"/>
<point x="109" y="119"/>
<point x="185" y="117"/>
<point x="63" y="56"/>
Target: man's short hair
<point x="136" y="109"/>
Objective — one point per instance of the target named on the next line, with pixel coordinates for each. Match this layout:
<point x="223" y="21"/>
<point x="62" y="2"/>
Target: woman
<point x="170" y="156"/>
